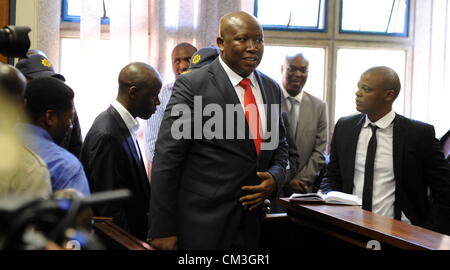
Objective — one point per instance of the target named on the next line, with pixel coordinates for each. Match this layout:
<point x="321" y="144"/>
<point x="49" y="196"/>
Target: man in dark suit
<point x="207" y="191"/>
<point x="388" y="160"/>
<point x="111" y="155"/>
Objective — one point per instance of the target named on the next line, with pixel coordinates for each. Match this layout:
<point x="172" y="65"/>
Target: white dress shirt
<point x="384" y="178"/>
<point x="235" y="80"/>
<point x="131" y="122"/>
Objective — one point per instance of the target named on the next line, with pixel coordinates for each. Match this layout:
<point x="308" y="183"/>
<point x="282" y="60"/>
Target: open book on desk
<point x="332" y="197"/>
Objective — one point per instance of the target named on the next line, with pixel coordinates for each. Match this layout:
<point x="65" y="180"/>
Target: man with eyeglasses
<point x="307" y="117"/>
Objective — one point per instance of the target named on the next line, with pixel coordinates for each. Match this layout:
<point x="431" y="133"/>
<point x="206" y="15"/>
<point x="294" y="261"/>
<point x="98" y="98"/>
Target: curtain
<point x="139" y="30"/>
<point x="431" y="81"/>
<point x="193" y="21"/>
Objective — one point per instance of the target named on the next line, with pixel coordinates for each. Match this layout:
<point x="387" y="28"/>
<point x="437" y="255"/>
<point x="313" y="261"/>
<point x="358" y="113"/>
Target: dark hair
<point x="47" y="93"/>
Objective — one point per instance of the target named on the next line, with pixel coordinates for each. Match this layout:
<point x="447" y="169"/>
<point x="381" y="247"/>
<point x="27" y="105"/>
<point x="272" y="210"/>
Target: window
<point x="360" y="60"/>
<point x="274" y="57"/>
<point x="357" y="35"/>
<point x="300" y="15"/>
<point x="96" y="95"/>
<point x="71" y="10"/>
<point x="384" y="17"/>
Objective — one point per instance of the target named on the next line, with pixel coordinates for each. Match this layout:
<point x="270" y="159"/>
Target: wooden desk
<point x="115" y="238"/>
<point x="357" y="226"/>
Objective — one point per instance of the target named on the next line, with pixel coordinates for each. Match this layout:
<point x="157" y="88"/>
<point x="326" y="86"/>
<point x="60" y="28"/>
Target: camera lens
<point x="14" y="41"/>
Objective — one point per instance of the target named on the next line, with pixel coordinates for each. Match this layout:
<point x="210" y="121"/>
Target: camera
<point x="14" y="41"/>
<point x="30" y="224"/>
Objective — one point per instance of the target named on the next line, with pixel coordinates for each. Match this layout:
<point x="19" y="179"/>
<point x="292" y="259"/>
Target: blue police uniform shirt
<point x="65" y="169"/>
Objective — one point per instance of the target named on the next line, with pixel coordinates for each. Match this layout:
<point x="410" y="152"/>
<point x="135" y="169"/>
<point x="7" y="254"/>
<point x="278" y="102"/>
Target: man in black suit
<point x="111" y="155"/>
<point x="388" y="160"/>
<point x="207" y="191"/>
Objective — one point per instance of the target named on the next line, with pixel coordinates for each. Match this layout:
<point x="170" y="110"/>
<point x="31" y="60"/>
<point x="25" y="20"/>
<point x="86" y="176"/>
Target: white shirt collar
<point x="131" y="122"/>
<point x="384" y="122"/>
<point x="234" y="77"/>
<point x="298" y="97"/>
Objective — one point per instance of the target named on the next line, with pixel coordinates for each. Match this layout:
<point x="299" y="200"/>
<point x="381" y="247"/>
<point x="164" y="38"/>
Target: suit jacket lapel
<point x="226" y="90"/>
<point x="398" y="141"/>
<point x="268" y="109"/>
<point x="131" y="147"/>
<point x="353" y="143"/>
<point x="304" y="117"/>
<point x="223" y="84"/>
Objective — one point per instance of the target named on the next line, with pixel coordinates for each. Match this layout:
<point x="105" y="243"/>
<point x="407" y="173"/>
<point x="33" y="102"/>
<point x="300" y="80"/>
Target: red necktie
<point x="252" y="114"/>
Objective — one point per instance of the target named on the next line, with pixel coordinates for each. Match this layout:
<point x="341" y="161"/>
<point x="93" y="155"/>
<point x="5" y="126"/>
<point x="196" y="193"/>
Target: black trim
<point x="12" y="12"/>
<point x="12" y="21"/>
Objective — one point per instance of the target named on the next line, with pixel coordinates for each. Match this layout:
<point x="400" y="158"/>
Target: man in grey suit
<point x="207" y="192"/>
<point x="307" y="116"/>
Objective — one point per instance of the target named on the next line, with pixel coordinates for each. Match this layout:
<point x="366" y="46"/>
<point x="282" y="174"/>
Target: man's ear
<point x="49" y="118"/>
<point x="390" y="95"/>
<point x="220" y="43"/>
<point x="132" y="91"/>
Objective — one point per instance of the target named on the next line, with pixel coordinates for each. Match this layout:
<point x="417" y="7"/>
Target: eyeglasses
<point x="303" y="70"/>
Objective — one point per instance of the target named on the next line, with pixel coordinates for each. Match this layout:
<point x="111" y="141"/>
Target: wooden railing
<point x="362" y="228"/>
<point x="115" y="238"/>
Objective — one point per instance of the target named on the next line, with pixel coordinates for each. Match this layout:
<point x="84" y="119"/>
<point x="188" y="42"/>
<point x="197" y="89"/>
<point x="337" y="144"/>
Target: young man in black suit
<point x="207" y="193"/>
<point x="388" y="160"/>
<point x="111" y="155"/>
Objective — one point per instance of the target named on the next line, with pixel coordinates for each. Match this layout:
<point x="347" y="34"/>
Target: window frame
<point x="65" y="17"/>
<point x="333" y="39"/>
<point x="316" y="29"/>
<point x="405" y="33"/>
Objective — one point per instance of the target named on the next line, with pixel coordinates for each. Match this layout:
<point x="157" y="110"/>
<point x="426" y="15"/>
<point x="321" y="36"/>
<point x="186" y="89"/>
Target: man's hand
<point x="297" y="186"/>
<point x="165" y="243"/>
<point x="260" y="192"/>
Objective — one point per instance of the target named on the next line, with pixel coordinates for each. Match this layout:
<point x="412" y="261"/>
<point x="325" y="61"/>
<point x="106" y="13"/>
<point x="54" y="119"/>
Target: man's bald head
<point x="390" y="79"/>
<point x="181" y="55"/>
<point x="291" y="57"/>
<point x="138" y="73"/>
<point x="378" y="88"/>
<point x="241" y="42"/>
<point x="139" y="86"/>
<point x="12" y="82"/>
<point x="236" y="19"/>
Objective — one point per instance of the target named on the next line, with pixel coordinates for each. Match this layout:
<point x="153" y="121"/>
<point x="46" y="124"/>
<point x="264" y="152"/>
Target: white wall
<point x="43" y="17"/>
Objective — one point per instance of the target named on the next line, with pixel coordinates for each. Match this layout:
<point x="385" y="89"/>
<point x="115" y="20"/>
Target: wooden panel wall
<point x="4" y="20"/>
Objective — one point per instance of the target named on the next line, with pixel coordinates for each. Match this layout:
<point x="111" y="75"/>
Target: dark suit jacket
<point x="196" y="183"/>
<point x="294" y="162"/>
<point x="418" y="166"/>
<point x="111" y="162"/>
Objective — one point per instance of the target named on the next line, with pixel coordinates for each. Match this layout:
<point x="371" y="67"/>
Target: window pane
<point x="292" y="13"/>
<point x="94" y="96"/>
<point x="274" y="57"/>
<point x="73" y="7"/>
<point x="351" y="63"/>
<point x="376" y="16"/>
<point x="73" y="10"/>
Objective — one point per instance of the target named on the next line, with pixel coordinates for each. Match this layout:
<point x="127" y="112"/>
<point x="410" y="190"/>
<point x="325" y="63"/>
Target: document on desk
<point x="332" y="197"/>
